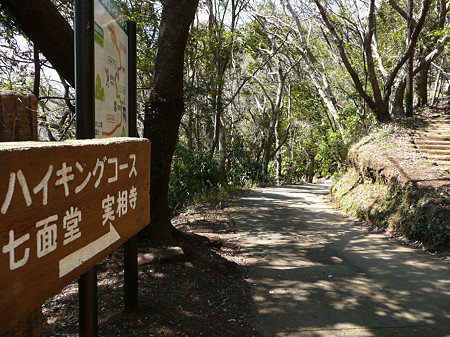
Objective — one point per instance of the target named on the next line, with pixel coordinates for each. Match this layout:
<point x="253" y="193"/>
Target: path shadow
<point x="315" y="272"/>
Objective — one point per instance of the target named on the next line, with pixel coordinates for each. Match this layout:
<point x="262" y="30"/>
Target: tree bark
<point x="221" y="48"/>
<point x="410" y="50"/>
<point x="422" y="87"/>
<point x="222" y="152"/>
<point x="38" y="19"/>
<point x="278" y="157"/>
<point x="37" y="72"/>
<point x="343" y="54"/>
<point x="398" y="96"/>
<point x="164" y="107"/>
<point x="381" y="110"/>
<point x="49" y="31"/>
<point x="317" y="74"/>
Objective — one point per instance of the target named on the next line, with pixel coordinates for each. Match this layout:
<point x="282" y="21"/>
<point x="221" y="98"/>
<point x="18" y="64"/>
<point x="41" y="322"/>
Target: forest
<point x="273" y="92"/>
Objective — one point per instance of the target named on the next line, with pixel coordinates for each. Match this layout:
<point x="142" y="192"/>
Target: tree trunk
<point x="394" y="73"/>
<point x="219" y="140"/>
<point x="222" y="153"/>
<point x="422" y="87"/>
<point x="38" y="19"/>
<point x="265" y="160"/>
<point x="278" y="156"/>
<point x="436" y="85"/>
<point x="381" y="110"/>
<point x="310" y="168"/>
<point x="37" y="72"/>
<point x="164" y="107"/>
<point x="267" y="148"/>
<point x="345" y="60"/>
<point x="398" y="98"/>
<point x="316" y="73"/>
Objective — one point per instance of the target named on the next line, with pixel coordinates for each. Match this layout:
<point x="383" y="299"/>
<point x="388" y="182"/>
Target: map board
<point x="111" y="70"/>
<point x="63" y="207"/>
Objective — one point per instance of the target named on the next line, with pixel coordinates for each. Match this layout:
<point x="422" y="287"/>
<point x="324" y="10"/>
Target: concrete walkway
<point x="315" y="272"/>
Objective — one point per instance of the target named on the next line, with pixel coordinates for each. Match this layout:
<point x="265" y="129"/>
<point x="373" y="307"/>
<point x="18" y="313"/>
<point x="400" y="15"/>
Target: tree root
<point x="162" y="255"/>
<point x="178" y="234"/>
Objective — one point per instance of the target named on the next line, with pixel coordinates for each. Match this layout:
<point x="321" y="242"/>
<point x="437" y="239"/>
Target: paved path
<point x="315" y="272"/>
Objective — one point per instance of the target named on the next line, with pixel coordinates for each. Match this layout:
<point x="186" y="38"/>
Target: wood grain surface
<point x="63" y="207"/>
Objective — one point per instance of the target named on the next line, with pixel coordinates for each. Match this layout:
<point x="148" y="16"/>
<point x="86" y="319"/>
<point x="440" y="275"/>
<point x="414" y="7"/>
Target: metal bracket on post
<point x="85" y="112"/>
<point x="130" y="247"/>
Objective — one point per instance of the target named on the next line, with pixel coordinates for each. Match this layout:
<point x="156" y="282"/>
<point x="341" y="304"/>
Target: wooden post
<point x="18" y="116"/>
<point x="18" y="122"/>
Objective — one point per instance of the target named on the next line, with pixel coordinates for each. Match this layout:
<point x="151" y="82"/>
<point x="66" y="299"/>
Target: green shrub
<point x="193" y="174"/>
<point x="245" y="174"/>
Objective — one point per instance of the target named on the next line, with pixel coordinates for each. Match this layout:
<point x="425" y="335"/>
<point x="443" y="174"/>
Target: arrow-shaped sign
<point x="77" y="258"/>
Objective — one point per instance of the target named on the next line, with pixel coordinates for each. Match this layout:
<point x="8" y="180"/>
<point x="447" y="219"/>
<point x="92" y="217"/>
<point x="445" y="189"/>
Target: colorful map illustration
<point x="111" y="79"/>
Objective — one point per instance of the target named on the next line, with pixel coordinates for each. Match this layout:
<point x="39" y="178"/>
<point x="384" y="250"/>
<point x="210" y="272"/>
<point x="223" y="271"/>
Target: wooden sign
<point x="63" y="207"/>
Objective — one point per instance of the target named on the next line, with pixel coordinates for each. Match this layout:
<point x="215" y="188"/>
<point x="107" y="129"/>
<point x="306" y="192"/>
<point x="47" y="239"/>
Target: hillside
<point x="398" y="179"/>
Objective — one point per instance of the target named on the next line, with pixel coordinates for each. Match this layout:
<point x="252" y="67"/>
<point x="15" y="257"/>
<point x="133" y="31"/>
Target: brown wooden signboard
<point x="63" y="207"/>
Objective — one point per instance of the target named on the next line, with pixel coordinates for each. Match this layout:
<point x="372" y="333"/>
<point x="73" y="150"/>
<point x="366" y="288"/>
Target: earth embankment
<point x="394" y="185"/>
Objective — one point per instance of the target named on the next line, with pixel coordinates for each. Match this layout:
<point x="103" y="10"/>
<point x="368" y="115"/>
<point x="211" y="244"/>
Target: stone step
<point x="435" y="136"/>
<point x="425" y="146"/>
<point x="440" y="131"/>
<point x="438" y="152"/>
<point x="439" y="158"/>
<point x="443" y="164"/>
<point x="434" y="141"/>
<point x="438" y="121"/>
<point x="431" y="132"/>
<point x="431" y="142"/>
<point x="439" y="124"/>
<point x="440" y="118"/>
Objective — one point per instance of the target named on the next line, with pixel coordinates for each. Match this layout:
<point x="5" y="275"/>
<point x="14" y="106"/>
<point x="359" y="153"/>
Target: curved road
<point x="315" y="272"/>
